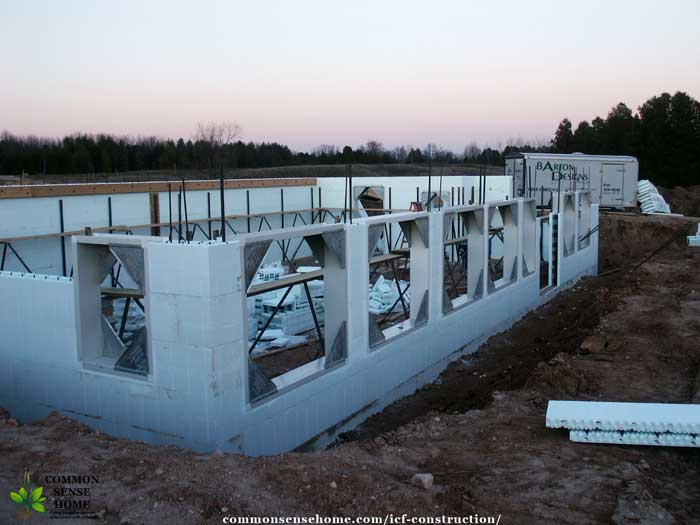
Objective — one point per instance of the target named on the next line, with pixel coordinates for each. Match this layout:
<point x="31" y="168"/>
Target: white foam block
<point x="644" y="417"/>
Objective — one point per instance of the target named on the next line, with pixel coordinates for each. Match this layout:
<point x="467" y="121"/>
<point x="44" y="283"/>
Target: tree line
<point x="215" y="145"/>
<point x="664" y="134"/>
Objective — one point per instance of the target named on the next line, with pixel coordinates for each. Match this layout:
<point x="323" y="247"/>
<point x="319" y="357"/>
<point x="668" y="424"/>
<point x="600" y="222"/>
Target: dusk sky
<point x="306" y="73"/>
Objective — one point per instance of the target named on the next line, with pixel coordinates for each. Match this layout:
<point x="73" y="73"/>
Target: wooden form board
<point x="112" y="188"/>
<point x="299" y="278"/>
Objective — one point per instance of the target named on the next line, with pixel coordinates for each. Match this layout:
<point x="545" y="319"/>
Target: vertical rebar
<point x="313" y="215"/>
<point x="184" y="200"/>
<point x="430" y="173"/>
<point x="63" y="243"/>
<point x="350" y="192"/>
<point x="209" y="214"/>
<point x="179" y="217"/>
<point x="109" y="213"/>
<point x="170" y="213"/>
<point x="223" y="203"/>
<point x="247" y="208"/>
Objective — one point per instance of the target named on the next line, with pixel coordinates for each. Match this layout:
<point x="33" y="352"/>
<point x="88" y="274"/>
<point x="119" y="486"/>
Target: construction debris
<point x="424" y="480"/>
<point x="290" y="317"/>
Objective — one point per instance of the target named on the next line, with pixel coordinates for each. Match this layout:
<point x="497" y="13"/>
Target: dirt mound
<point x="559" y="378"/>
<point x="683" y="200"/>
<point x="626" y="239"/>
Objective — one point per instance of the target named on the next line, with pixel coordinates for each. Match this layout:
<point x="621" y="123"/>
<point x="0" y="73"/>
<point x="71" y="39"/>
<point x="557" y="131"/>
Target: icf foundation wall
<point x="197" y="391"/>
<point x="456" y="190"/>
<point x="46" y="216"/>
<point x="41" y="218"/>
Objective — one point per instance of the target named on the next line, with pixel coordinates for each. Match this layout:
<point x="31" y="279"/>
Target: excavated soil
<point x="629" y="334"/>
<point x="685" y="201"/>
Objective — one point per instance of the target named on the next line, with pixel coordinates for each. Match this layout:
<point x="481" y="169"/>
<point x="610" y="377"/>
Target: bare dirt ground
<point x="683" y="200"/>
<point x="480" y="429"/>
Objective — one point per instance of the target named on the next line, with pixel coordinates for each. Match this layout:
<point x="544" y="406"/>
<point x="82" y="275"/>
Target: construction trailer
<point x="611" y="179"/>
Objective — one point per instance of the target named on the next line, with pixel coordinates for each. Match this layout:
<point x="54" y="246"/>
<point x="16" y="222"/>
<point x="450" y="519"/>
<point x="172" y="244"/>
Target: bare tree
<point x="217" y="135"/>
<point x="472" y="151"/>
<point x="400" y="154"/>
<point x="517" y="142"/>
<point x="374" y="148"/>
<point x="327" y="150"/>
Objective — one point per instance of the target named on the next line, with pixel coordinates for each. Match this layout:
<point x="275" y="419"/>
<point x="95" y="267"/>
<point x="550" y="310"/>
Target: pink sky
<point x="309" y="73"/>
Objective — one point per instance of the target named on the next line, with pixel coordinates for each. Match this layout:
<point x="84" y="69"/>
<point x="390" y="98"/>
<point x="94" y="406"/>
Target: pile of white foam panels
<point x="661" y="424"/>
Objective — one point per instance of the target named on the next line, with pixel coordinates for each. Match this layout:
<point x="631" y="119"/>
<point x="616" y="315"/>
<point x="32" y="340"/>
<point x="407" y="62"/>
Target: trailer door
<point x="612" y="181"/>
<point x="514" y="168"/>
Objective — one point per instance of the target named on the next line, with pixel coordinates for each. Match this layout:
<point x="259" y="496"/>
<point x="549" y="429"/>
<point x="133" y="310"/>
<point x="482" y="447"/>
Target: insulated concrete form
<point x="31" y="217"/>
<point x="197" y="392"/>
<point x="34" y="222"/>
<point x="399" y="192"/>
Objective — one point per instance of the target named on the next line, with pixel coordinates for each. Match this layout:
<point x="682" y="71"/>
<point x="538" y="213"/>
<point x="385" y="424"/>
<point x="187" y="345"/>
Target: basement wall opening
<point x="584" y="219"/>
<point x="389" y="284"/>
<point x="503" y="243"/>
<point x="398" y="276"/>
<point x="455" y="249"/>
<point x="463" y="250"/>
<point x="546" y="247"/>
<point x="293" y="283"/>
<point x="112" y="302"/>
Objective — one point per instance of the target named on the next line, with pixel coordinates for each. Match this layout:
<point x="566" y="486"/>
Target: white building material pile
<point x="650" y="200"/>
<point x="293" y="317"/>
<point x="294" y="314"/>
<point x="662" y="424"/>
<point x="384" y="294"/>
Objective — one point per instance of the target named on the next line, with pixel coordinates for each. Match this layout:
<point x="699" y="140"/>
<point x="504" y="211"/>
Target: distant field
<point x="334" y="170"/>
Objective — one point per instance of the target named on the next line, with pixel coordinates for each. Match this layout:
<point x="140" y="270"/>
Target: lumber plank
<point x="111" y="188"/>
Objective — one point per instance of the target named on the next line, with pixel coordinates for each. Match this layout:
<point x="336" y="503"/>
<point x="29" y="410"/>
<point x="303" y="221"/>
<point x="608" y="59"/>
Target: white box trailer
<point x="611" y="179"/>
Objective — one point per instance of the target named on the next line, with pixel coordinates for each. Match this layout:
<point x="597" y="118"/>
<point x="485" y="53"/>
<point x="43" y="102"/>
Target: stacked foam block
<point x="650" y="200"/>
<point x="660" y="424"/>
